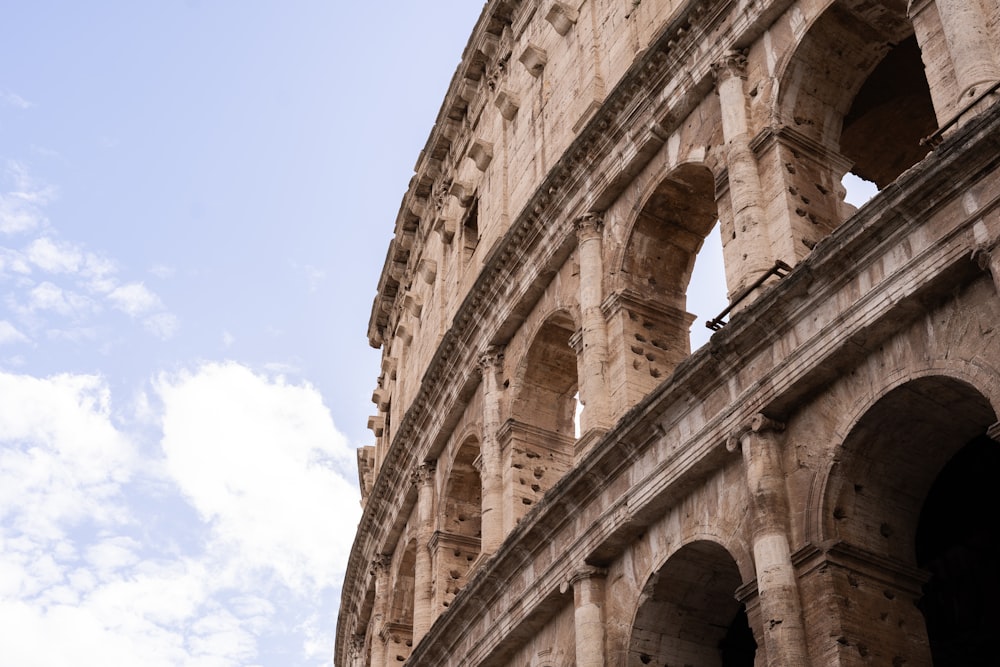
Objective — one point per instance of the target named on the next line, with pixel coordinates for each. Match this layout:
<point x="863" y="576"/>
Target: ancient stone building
<point x="815" y="485"/>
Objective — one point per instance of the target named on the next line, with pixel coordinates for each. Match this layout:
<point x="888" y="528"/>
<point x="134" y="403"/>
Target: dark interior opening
<point x="890" y="114"/>
<point x="958" y="542"/>
<point x="738" y="647"/>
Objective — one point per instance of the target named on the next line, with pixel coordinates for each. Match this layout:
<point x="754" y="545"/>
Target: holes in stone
<point x="538" y="473"/>
<point x="637" y="350"/>
<point x="640" y="338"/>
<point x="839" y="513"/>
<point x="526" y="501"/>
<point x="886" y="530"/>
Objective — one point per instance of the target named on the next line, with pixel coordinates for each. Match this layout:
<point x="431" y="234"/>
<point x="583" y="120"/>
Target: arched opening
<point x="540" y="438"/>
<point x="889" y="115"/>
<point x="648" y="312"/>
<point x="854" y="99"/>
<point x="457" y="544"/>
<point x="399" y="641"/>
<point x="911" y="495"/>
<point x="690" y="615"/>
<point x="548" y="382"/>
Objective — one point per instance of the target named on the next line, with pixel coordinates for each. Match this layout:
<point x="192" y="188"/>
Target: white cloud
<point x="227" y="339"/>
<point x="51" y="297"/>
<point x="53" y="257"/>
<point x="62" y="459"/>
<point x="14" y="100"/>
<point x="92" y="545"/>
<point x="134" y="299"/>
<point x="9" y="334"/>
<point x="237" y="443"/>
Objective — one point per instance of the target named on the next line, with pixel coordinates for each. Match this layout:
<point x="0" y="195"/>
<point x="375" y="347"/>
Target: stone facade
<point x="813" y="486"/>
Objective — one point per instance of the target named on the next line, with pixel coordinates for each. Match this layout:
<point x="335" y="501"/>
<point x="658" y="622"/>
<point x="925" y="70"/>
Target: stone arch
<point x="538" y="441"/>
<point x="883" y="503"/>
<point x="647" y="310"/>
<point x="457" y="543"/>
<point x="852" y="96"/>
<point x="892" y="456"/>
<point x="546" y="379"/>
<point x="688" y="612"/>
<point x="855" y="83"/>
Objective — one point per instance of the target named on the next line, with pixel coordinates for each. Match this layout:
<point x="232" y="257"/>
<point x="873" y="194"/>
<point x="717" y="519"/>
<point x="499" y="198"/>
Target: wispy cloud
<point x="9" y="334"/>
<point x="7" y="98"/>
<point x="55" y="277"/>
<point x="22" y="200"/>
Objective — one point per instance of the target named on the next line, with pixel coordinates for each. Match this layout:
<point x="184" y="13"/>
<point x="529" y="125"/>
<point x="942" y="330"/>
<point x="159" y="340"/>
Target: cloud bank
<point x="221" y="518"/>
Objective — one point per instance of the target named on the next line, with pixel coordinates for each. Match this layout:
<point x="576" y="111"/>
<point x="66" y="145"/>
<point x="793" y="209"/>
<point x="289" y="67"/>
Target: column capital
<point x="423" y="474"/>
<point x="491" y="359"/>
<point x="985" y="253"/>
<point x="380" y="564"/>
<point x="731" y="64"/>
<point x="757" y="424"/>
<point x="588" y="572"/>
<point x="589" y="226"/>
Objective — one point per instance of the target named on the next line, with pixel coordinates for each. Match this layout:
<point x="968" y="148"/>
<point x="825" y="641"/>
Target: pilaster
<point x="777" y="588"/>
<point x="423" y="602"/>
<point x="588" y="615"/>
<point x="491" y="473"/>
<point x="380" y="615"/>
<point x="594" y="334"/>
<point x="749" y="248"/>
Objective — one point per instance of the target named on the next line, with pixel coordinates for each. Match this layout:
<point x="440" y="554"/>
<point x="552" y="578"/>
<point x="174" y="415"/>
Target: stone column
<point x="753" y="249"/>
<point x="594" y="392"/>
<point x="588" y="616"/>
<point x="777" y="589"/>
<point x="380" y="614"/>
<point x="423" y="599"/>
<point x="970" y="45"/>
<point x="490" y="472"/>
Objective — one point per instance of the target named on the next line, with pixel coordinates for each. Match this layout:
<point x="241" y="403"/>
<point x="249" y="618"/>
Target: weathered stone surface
<point x="808" y="487"/>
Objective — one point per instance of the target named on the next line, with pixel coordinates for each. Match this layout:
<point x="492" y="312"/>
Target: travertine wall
<point x="773" y="498"/>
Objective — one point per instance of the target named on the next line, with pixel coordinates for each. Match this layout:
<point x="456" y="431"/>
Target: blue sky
<point x="195" y="202"/>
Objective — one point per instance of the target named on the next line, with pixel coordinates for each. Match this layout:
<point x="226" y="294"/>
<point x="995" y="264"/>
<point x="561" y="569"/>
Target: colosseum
<point x="558" y="479"/>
